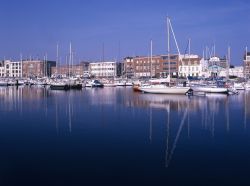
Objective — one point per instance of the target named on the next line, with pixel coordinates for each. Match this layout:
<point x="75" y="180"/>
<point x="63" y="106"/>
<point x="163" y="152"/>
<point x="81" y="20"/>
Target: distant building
<point x="221" y="62"/>
<point x="247" y="65"/>
<point x="37" y="68"/>
<point x="120" y="69"/>
<point x="11" y="69"/>
<point x="214" y="66"/>
<point x="142" y="66"/>
<point x="128" y="67"/>
<point x="66" y="71"/>
<point x="2" y="69"/>
<point x="85" y="65"/>
<point x="103" y="69"/>
<point x="190" y="66"/>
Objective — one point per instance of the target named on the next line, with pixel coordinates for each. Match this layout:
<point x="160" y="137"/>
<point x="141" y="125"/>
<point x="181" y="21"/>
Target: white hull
<point x="3" y="83"/>
<point x="164" y="90"/>
<point x="210" y="89"/>
<point x="109" y="85"/>
<point x="239" y="86"/>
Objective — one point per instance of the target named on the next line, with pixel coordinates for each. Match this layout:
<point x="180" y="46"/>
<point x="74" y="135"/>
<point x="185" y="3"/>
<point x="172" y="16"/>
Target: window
<point x="171" y="63"/>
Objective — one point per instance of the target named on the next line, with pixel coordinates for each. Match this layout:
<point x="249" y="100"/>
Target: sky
<point x="114" y="29"/>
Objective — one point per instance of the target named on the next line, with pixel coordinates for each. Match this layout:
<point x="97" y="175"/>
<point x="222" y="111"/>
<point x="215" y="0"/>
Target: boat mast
<point x="189" y="51"/>
<point x="228" y="61"/>
<point x="168" y="49"/>
<point x="151" y="53"/>
<point x="172" y="31"/>
<point x="57" y="59"/>
<point x="21" y="63"/>
<point x="244" y="65"/>
<point x="69" y="59"/>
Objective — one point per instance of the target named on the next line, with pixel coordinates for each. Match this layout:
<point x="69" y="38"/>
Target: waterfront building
<point x="85" y="66"/>
<point x="37" y="68"/>
<point x="2" y="69"/>
<point x="213" y="67"/>
<point x="236" y="71"/>
<point x="66" y="71"/>
<point x="103" y="69"/>
<point x="190" y="66"/>
<point x="247" y="65"/>
<point x="11" y="69"/>
<point x="120" y="72"/>
<point x="157" y="66"/>
<point x="221" y="62"/>
<point x="128" y="67"/>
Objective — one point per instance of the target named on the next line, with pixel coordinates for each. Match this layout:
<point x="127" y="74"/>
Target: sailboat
<point x="164" y="88"/>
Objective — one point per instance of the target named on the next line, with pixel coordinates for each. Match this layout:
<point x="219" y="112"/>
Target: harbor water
<point x="114" y="136"/>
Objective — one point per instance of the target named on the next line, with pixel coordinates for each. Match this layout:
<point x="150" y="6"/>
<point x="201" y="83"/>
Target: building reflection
<point x="13" y="98"/>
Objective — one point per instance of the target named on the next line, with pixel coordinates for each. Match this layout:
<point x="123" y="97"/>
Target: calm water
<point x="114" y="136"/>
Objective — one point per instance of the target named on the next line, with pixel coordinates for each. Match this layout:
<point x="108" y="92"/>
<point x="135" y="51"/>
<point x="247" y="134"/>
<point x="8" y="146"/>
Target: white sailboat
<point x="164" y="88"/>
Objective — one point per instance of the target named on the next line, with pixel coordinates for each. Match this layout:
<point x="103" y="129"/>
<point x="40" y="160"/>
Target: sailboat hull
<point x="164" y="90"/>
<point x="210" y="89"/>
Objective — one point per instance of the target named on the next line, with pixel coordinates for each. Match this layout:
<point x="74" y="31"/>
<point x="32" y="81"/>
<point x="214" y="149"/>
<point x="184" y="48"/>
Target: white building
<point x="190" y="66"/>
<point x="2" y="72"/>
<point x="12" y="69"/>
<point x="103" y="69"/>
<point x="237" y="71"/>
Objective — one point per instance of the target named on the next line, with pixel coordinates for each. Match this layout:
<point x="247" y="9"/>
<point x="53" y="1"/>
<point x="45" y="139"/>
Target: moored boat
<point x="209" y="89"/>
<point x="163" y="89"/>
<point x="59" y="86"/>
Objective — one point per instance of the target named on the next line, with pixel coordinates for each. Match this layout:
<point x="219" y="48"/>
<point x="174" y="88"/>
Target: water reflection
<point x="180" y="117"/>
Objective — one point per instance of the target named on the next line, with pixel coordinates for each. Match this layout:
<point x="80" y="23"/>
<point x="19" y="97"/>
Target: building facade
<point x="190" y="66"/>
<point x="85" y="65"/>
<point x="2" y="69"/>
<point x="11" y="69"/>
<point x="37" y="68"/>
<point x="103" y="69"/>
<point x="247" y="65"/>
<point x="158" y="66"/>
<point x="236" y="71"/>
<point x="66" y="71"/>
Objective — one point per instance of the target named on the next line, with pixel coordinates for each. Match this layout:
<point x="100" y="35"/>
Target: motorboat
<point x="94" y="83"/>
<point x="239" y="86"/>
<point x="3" y="83"/>
<point x="59" y="86"/>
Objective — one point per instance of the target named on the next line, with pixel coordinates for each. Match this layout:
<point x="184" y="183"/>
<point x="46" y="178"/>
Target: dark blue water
<point x="114" y="136"/>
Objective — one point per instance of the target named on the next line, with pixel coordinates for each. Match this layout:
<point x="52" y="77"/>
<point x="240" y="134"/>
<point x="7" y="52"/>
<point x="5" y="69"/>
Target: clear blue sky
<point x="34" y="27"/>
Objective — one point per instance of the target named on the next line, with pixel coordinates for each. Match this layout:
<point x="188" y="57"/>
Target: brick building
<point x="37" y="68"/>
<point x="65" y="70"/>
<point x="142" y="66"/>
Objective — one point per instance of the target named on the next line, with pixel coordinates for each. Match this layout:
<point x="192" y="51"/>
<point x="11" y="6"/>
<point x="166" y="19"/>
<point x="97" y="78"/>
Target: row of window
<point x="171" y="68"/>
<point x="192" y="74"/>
<point x="189" y="68"/>
<point x="171" y="57"/>
<point x="171" y="63"/>
<point x="103" y="69"/>
<point x="153" y="61"/>
<point x="109" y="64"/>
